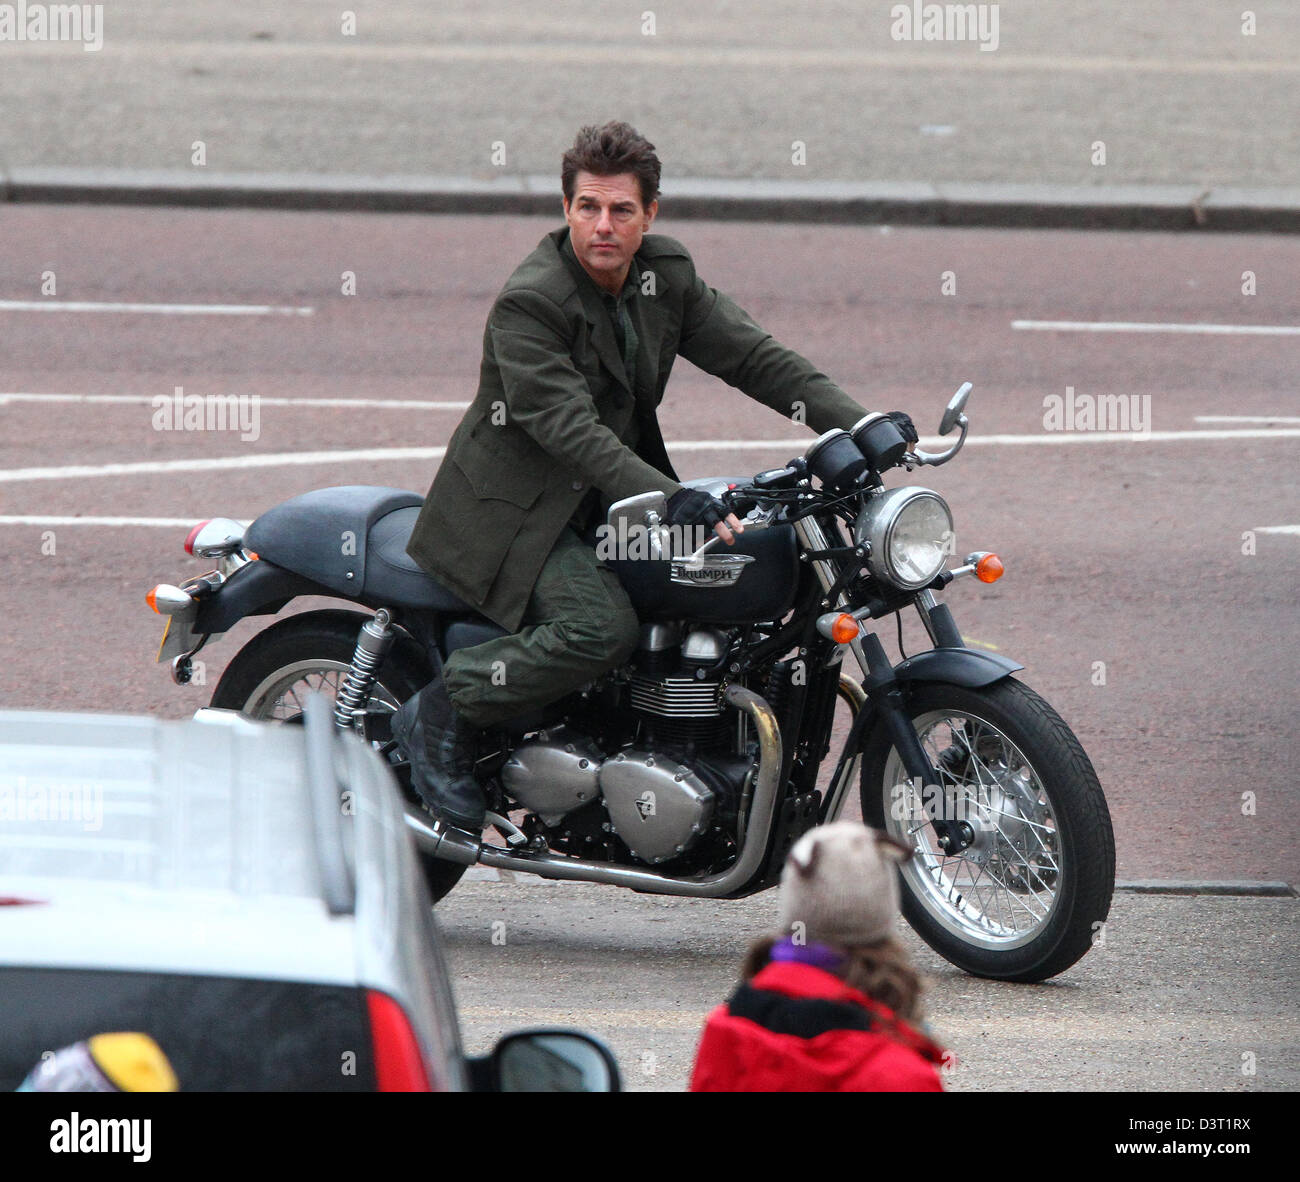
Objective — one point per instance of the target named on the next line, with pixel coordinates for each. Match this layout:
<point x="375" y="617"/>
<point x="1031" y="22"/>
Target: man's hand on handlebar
<point x="693" y="506"/>
<point x="728" y="529"/>
<point x="903" y="421"/>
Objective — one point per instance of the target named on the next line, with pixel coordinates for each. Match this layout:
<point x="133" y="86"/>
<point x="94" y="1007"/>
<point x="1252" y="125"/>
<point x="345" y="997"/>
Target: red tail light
<point x="194" y="533"/>
<point x="399" y="1066"/>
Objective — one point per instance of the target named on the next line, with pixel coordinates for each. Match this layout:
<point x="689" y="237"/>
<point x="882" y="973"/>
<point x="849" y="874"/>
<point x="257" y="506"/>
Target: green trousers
<point x="579" y="623"/>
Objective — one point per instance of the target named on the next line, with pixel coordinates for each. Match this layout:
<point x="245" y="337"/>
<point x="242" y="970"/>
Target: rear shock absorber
<point x="373" y="642"/>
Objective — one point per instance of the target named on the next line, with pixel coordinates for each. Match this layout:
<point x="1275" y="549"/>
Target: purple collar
<point x="820" y="956"/>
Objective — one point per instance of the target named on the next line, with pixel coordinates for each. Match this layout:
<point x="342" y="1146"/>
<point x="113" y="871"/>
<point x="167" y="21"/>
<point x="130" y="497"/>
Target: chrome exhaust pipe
<point x="437" y="841"/>
<point x="856" y="697"/>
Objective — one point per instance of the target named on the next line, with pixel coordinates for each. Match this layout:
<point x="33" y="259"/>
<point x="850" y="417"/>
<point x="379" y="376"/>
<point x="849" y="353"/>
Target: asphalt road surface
<point x="1150" y="585"/>
<point x="1175" y="91"/>
<point x="1182" y="995"/>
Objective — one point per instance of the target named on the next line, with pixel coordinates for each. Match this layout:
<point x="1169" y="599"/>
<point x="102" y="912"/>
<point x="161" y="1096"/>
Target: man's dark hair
<point x="612" y="150"/>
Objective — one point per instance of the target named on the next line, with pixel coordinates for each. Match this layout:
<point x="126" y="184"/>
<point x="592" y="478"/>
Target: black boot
<point x="439" y="745"/>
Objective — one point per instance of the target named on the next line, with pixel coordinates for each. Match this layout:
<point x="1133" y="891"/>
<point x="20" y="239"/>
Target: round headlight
<point x="910" y="533"/>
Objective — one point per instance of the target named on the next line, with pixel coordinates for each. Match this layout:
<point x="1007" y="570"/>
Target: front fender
<point x="966" y="667"/>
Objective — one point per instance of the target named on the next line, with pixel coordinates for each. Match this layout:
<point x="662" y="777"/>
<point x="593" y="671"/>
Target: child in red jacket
<point x="828" y="1006"/>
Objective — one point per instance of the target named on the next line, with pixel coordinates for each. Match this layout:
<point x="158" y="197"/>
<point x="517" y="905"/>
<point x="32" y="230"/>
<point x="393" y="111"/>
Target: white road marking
<point x="152" y="309"/>
<point x="190" y="522"/>
<point x="149" y="399"/>
<point x="161" y="522"/>
<point x="1274" y="330"/>
<point x="1041" y="439"/>
<point x="589" y="53"/>
<point x="220" y="463"/>
<point x="380" y="454"/>
<point x="1248" y="418"/>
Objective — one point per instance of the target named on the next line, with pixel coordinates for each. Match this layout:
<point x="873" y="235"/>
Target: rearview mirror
<point x="640" y="517"/>
<point x="631" y="511"/>
<point x="552" y="1061"/>
<point x="955" y="406"/>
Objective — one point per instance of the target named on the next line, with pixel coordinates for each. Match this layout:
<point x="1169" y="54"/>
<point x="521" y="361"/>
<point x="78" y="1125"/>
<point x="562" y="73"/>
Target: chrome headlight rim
<point x="877" y="525"/>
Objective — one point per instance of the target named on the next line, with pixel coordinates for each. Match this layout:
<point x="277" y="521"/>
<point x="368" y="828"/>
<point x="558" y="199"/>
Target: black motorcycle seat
<point x="393" y="576"/>
<point x="352" y="539"/>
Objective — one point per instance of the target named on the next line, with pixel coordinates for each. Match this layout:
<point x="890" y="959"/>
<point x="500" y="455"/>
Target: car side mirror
<point x="547" y="1061"/>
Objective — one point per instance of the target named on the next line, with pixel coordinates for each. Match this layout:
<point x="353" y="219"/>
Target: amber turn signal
<point x="844" y="629"/>
<point x="167" y="600"/>
<point x="989" y="569"/>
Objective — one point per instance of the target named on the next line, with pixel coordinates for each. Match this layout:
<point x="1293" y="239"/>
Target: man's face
<point x="606" y="223"/>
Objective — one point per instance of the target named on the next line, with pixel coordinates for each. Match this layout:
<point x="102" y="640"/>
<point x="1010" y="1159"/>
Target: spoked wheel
<point x="280" y="696"/>
<point x="272" y="675"/>
<point x="1023" y="900"/>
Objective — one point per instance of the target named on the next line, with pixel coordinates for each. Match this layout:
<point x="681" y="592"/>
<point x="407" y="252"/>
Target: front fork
<point x="885" y="692"/>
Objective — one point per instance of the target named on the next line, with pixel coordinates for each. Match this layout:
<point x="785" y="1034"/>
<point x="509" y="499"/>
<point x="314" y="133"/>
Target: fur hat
<point x="840" y="884"/>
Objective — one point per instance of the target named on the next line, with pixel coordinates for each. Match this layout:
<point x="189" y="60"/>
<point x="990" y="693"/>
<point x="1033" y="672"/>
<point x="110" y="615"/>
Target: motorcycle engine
<point x="658" y="806"/>
<point x="554" y="773"/>
<point x="675" y="782"/>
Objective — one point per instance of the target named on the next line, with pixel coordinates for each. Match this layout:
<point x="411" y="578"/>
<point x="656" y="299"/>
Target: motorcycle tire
<point x="1030" y="896"/>
<point x="322" y="642"/>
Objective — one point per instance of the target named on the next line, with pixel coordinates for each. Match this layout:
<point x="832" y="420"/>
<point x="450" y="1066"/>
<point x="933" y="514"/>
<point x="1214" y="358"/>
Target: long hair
<point x="883" y="971"/>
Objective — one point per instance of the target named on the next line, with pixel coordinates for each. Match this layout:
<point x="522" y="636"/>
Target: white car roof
<point x="172" y="846"/>
<point x="217" y="846"/>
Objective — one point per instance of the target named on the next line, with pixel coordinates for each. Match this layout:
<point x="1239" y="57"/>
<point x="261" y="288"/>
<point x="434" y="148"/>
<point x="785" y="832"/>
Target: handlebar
<point x="790" y="485"/>
<point x="934" y="459"/>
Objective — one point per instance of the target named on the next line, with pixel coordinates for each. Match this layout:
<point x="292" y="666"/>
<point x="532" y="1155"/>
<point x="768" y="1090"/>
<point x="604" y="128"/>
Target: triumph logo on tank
<point x="706" y="574"/>
<point x="54" y="22"/>
<point x="1122" y="413"/>
<point x="946" y="22"/>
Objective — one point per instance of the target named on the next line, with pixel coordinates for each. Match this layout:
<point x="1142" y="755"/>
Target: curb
<point x="1277" y="890"/>
<point x="1079" y="207"/>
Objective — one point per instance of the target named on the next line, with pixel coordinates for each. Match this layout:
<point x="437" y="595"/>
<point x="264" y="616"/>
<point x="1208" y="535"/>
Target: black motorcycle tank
<point x="764" y="588"/>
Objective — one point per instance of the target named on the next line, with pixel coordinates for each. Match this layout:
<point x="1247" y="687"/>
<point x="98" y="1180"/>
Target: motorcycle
<point x="693" y="769"/>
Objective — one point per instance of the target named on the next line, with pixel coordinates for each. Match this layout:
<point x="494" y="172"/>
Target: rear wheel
<point x="1024" y="900"/>
<point x="274" y="672"/>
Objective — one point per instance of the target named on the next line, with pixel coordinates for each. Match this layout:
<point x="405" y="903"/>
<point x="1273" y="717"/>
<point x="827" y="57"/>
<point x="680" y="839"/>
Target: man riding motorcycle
<point x="576" y="355"/>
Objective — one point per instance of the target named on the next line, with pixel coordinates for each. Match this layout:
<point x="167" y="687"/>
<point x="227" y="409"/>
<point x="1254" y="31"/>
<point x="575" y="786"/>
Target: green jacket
<point x="553" y="410"/>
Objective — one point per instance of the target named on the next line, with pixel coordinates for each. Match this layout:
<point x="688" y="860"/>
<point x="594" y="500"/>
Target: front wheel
<point x="275" y="671"/>
<point x="1023" y="901"/>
